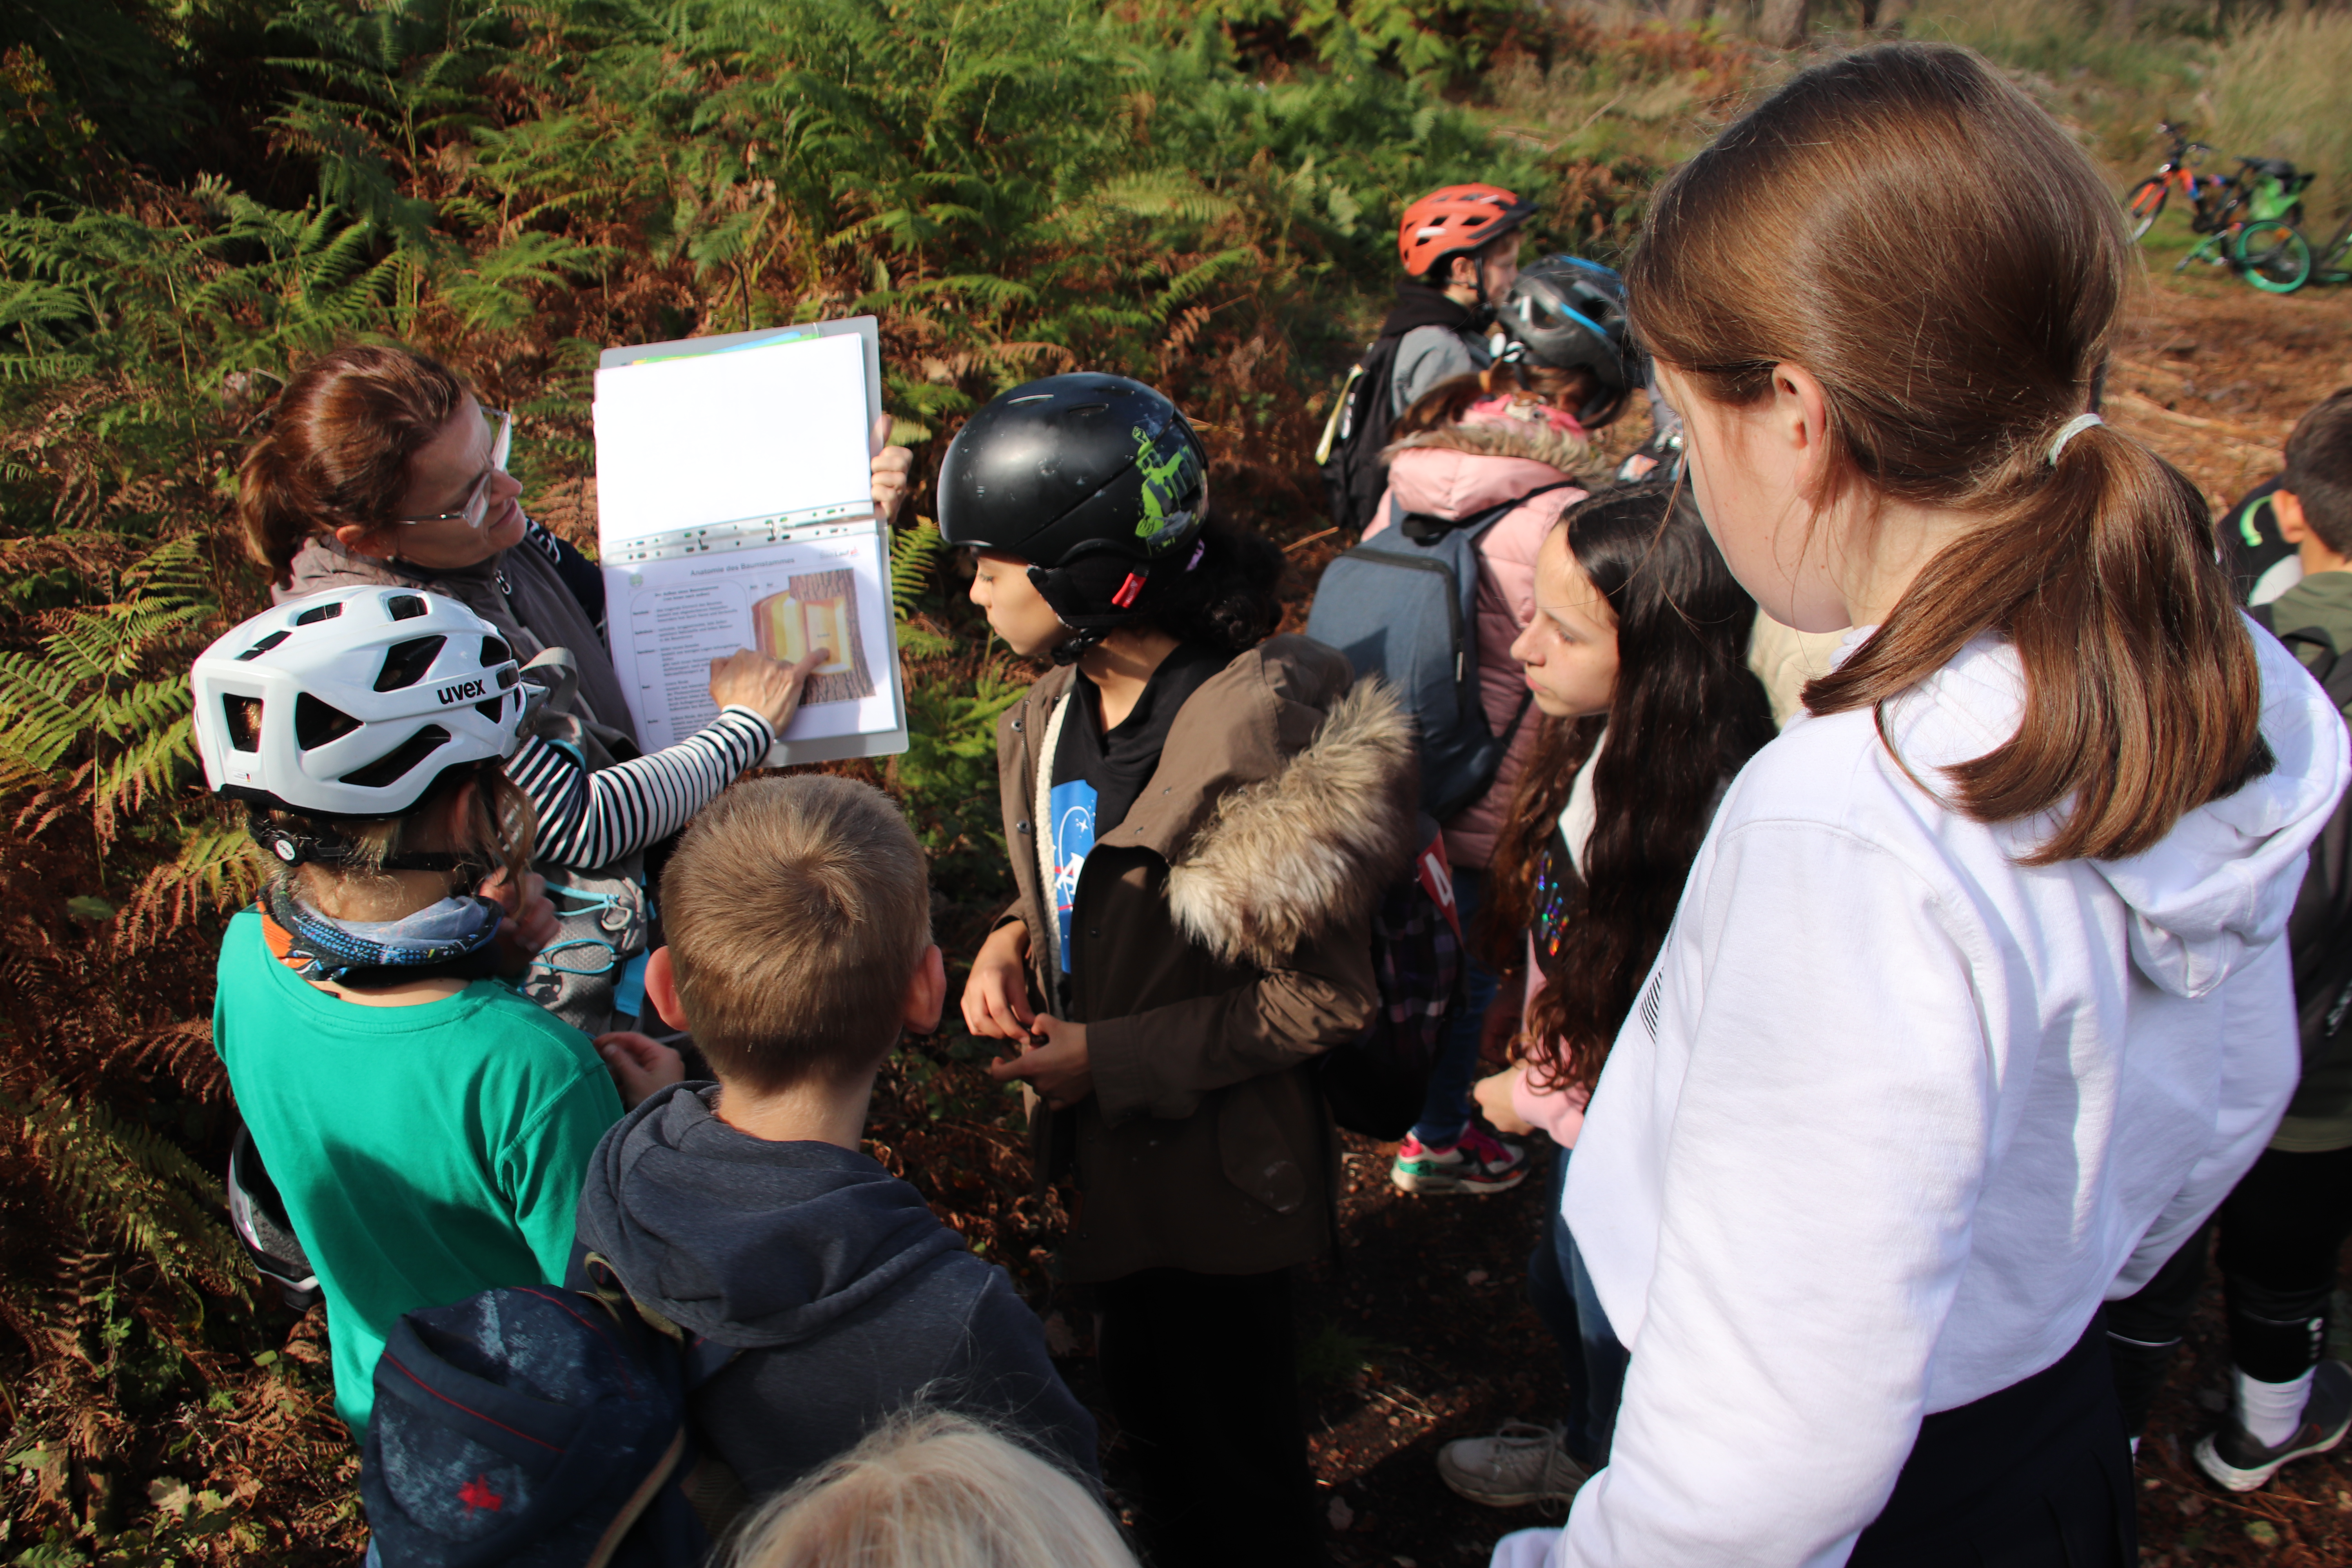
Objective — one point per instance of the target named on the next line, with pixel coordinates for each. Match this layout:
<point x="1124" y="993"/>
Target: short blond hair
<point x="934" y="1491"/>
<point x="796" y="912"/>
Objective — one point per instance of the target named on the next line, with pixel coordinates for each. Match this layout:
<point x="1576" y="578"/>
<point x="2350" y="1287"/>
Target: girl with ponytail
<point x="1974" y="1005"/>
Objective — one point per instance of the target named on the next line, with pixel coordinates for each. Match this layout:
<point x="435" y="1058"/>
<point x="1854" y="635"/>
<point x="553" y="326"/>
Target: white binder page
<point x="735" y="510"/>
<point x="771" y="434"/>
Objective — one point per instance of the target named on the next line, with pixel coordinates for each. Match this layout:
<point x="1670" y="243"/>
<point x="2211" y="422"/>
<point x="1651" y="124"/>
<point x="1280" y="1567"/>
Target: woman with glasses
<point x="381" y="467"/>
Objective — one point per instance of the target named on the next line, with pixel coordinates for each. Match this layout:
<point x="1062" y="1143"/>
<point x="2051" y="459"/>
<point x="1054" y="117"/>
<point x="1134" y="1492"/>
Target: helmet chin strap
<point x="1076" y="646"/>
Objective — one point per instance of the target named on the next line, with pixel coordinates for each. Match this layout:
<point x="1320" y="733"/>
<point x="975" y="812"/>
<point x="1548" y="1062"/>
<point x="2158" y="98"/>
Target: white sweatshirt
<point x="1893" y="1114"/>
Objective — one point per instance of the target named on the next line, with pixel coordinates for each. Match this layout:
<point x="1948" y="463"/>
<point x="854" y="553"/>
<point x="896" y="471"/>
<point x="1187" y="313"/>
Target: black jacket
<point x="844" y="1297"/>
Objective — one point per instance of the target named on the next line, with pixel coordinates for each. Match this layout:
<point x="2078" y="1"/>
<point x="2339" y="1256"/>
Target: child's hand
<point x="1059" y="1070"/>
<point x="640" y="1065"/>
<point x="1494" y="1096"/>
<point x="996" y="997"/>
<point x="530" y="923"/>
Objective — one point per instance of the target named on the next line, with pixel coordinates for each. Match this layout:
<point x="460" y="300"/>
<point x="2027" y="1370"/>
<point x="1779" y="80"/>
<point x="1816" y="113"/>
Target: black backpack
<point x="1349" y="453"/>
<point x="1375" y="1083"/>
<point x="1403" y="606"/>
<point x="2319" y="929"/>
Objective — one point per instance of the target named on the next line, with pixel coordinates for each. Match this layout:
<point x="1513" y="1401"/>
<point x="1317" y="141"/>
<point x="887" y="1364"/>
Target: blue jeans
<point x="1561" y="1287"/>
<point x="1445" y="1110"/>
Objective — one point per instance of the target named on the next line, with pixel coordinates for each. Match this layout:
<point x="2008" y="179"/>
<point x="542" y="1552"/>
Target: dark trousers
<point x="1561" y="1290"/>
<point x="2281" y="1229"/>
<point x="1203" y="1376"/>
<point x="2037" y="1475"/>
<point x="1446" y="1107"/>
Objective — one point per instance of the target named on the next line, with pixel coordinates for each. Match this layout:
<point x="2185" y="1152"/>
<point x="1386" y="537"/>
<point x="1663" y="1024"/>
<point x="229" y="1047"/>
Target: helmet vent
<point x="1091" y="408"/>
<point x="407" y="607"/>
<point x="404" y="663"/>
<point x="315" y="723"/>
<point x="244" y="715"/>
<point x="397" y="763"/>
<point x="264" y="646"/>
<point x="317" y="613"/>
<point x="1033" y="397"/>
<point x="496" y="652"/>
<point x="491" y="707"/>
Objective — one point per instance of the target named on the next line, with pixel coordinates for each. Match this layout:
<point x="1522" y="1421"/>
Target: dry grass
<point x="2277" y="91"/>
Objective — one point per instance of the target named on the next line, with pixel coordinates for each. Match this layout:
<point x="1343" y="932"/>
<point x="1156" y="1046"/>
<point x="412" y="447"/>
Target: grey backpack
<point x="588" y="975"/>
<point x="1403" y="606"/>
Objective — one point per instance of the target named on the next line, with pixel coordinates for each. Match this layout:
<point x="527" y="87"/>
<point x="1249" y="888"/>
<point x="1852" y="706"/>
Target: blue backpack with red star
<point x="536" y="1426"/>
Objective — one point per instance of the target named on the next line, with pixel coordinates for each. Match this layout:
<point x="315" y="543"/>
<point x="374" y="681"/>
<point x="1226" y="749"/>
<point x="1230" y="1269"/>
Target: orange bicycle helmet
<point x="1456" y="219"/>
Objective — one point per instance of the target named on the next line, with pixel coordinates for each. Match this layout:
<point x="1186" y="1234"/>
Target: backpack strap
<point x="1424" y="529"/>
<point x="633" y="1509"/>
<point x="2331" y="669"/>
<point x="1041" y="803"/>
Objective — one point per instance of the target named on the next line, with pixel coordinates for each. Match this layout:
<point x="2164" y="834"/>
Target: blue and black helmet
<point x="1568" y="313"/>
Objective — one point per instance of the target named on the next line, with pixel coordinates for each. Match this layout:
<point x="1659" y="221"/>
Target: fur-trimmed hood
<point x="1463" y="469"/>
<point x="1283" y="801"/>
<point x="1285" y="858"/>
<point x="1219" y="940"/>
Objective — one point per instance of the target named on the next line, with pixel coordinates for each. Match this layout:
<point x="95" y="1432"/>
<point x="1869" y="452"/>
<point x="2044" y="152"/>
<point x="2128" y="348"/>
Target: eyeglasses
<point x="477" y="505"/>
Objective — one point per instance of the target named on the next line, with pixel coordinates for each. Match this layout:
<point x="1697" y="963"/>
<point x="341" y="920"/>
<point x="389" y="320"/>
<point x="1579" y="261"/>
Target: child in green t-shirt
<point x="427" y="1127"/>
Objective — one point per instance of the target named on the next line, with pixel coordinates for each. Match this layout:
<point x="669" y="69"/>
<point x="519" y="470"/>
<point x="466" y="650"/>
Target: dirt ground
<point x="1422" y="1333"/>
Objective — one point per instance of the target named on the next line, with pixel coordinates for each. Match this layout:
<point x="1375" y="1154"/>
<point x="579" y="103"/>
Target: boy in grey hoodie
<point x="797" y="912"/>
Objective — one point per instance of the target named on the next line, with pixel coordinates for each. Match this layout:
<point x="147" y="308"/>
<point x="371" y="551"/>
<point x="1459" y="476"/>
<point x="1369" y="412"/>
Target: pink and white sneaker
<point x="1476" y="1162"/>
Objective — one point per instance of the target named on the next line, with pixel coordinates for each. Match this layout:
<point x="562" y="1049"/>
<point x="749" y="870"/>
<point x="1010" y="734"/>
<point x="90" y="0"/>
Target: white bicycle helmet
<point x="353" y="703"/>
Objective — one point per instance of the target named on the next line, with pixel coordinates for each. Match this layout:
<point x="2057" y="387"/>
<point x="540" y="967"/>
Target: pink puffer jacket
<point x="1459" y="471"/>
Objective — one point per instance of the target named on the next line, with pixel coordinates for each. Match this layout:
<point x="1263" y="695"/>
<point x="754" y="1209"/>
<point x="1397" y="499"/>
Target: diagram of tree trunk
<point x="817" y="610"/>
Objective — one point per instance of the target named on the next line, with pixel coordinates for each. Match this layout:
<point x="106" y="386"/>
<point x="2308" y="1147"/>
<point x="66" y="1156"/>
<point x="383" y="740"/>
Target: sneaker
<point x="1521" y="1464"/>
<point x="2232" y="1457"/>
<point x="1478" y="1161"/>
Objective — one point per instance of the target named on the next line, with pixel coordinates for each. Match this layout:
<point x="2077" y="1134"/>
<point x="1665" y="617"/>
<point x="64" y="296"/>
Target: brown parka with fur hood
<point x="1221" y="942"/>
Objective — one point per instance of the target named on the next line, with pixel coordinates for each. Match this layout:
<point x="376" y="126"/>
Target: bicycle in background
<point x="2248" y="218"/>
<point x="2146" y="203"/>
<point x="2252" y="228"/>
<point x="2333" y="263"/>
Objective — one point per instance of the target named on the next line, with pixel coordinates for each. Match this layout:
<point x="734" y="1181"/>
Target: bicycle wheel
<point x="2273" y="254"/>
<point x="2145" y="203"/>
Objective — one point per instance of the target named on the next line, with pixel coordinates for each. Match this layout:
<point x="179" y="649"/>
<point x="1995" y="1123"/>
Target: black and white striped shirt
<point x="593" y="819"/>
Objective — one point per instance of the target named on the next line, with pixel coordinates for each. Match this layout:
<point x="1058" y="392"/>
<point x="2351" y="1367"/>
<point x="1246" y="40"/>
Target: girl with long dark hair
<point x="1637" y="658"/>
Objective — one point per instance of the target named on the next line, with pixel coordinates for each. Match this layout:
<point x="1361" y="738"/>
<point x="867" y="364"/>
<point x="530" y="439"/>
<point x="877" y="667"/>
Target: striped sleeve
<point x="593" y="819"/>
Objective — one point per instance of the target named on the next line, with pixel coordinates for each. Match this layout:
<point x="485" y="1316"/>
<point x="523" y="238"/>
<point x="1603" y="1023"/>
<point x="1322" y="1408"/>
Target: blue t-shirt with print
<point x="1072" y="830"/>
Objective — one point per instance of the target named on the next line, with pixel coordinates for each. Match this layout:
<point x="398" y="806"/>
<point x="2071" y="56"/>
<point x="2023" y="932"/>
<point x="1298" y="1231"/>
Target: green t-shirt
<point x="425" y="1154"/>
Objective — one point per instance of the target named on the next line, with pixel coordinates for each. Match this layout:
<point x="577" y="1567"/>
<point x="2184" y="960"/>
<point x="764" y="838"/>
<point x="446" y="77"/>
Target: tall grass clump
<point x="2277" y="89"/>
<point x="2111" y="79"/>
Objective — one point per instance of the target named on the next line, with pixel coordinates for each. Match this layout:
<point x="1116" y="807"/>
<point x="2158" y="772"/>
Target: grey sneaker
<point x="1521" y="1464"/>
<point x="2232" y="1457"/>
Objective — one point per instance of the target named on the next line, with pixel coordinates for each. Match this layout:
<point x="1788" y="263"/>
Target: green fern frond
<point x="113" y="1177"/>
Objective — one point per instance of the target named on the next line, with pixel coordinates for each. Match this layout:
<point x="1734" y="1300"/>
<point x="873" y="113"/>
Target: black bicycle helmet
<point x="1570" y="314"/>
<point x="1095" y="480"/>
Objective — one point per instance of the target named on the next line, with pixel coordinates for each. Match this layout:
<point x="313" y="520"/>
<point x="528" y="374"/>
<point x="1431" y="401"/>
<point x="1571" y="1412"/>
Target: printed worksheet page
<point x="735" y="510"/>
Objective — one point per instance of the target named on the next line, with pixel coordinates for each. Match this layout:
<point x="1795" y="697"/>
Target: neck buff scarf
<point x="452" y="938"/>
